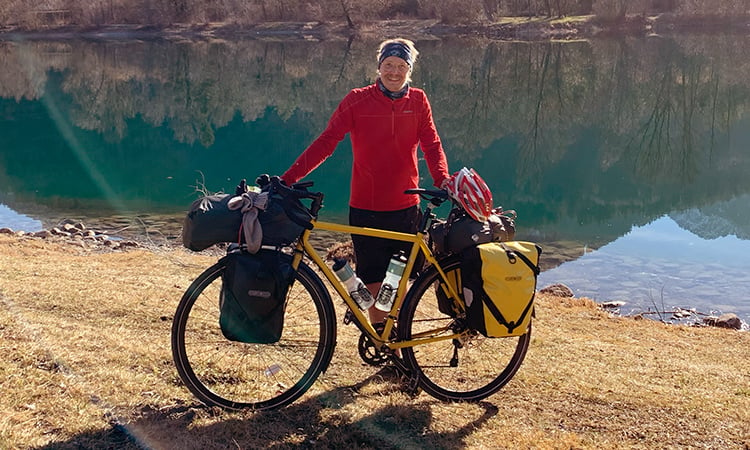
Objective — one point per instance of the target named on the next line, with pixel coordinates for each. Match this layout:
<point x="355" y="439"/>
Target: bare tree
<point x="346" y="8"/>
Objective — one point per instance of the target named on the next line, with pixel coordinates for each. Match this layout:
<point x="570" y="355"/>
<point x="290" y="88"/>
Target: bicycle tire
<point x="484" y="365"/>
<point x="236" y="376"/>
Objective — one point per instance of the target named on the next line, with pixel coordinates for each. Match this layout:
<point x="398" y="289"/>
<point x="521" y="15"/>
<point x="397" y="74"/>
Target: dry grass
<point x="86" y="363"/>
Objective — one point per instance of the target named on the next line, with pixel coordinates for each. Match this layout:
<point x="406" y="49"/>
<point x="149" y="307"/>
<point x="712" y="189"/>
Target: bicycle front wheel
<point x="470" y="369"/>
<point x="235" y="375"/>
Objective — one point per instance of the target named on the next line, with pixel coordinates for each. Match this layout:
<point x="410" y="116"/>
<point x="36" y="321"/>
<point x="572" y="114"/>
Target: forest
<point x="41" y="14"/>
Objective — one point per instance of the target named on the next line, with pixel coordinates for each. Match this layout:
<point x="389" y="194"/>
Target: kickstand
<point x="454" y="359"/>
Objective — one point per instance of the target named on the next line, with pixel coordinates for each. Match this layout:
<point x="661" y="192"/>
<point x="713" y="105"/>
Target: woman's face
<point x="394" y="73"/>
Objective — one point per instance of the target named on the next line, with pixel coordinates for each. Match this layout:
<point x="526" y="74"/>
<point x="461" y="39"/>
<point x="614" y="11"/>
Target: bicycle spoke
<point x="467" y="368"/>
<point x="239" y="375"/>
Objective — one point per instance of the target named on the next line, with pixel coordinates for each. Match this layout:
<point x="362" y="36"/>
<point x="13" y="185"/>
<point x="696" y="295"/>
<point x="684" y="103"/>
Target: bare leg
<point x="376" y="315"/>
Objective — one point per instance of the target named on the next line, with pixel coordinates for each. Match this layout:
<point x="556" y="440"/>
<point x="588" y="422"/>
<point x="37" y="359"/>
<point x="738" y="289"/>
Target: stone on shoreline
<point x="342" y="250"/>
<point x="728" y="320"/>
<point x="75" y="234"/>
<point x="558" y="290"/>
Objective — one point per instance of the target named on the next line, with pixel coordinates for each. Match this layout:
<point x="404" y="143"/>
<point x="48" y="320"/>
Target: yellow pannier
<point x="499" y="283"/>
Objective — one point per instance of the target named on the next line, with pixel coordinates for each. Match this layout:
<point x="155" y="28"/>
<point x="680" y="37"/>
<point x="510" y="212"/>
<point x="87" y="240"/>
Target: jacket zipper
<point x="393" y="118"/>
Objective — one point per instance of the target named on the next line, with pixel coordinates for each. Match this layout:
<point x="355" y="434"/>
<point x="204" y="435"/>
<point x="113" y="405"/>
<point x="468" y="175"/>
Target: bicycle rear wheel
<point x="450" y="370"/>
<point x="235" y="375"/>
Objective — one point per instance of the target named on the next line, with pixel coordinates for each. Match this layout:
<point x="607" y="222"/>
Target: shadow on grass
<point x="315" y="422"/>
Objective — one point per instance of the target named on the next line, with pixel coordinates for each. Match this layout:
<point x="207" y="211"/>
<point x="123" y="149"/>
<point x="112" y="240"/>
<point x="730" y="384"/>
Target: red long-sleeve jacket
<point x="384" y="134"/>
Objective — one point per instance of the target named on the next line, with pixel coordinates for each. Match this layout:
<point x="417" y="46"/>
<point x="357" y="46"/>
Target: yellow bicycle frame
<point x="418" y="245"/>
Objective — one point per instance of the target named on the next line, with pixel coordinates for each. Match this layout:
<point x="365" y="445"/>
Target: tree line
<point x="41" y="14"/>
<point x="691" y="89"/>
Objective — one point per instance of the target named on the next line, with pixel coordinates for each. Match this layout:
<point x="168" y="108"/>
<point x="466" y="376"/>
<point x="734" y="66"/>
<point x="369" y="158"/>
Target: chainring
<point x="367" y="350"/>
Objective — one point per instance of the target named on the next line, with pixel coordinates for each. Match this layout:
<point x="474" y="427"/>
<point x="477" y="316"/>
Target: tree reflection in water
<point x="584" y="139"/>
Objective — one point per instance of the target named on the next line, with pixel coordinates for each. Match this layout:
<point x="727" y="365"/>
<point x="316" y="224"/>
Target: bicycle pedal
<point x="411" y="387"/>
<point x="348" y="317"/>
<point x="398" y="363"/>
<point x="410" y="384"/>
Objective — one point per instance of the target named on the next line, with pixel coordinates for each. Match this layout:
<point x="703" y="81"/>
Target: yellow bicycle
<point x="438" y="352"/>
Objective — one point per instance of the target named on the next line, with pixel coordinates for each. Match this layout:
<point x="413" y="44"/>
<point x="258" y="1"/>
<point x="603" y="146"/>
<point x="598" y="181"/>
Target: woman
<point x="386" y="122"/>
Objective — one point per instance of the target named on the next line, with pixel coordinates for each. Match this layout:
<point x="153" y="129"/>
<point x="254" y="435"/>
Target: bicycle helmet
<point x="470" y="191"/>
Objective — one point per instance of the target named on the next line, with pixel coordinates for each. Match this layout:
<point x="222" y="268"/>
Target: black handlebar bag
<point x="284" y="220"/>
<point x="209" y="221"/>
<point x="253" y="295"/>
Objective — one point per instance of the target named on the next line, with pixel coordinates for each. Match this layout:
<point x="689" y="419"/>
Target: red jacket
<point x="384" y="134"/>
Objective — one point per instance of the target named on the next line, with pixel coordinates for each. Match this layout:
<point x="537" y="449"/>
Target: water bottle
<point x="354" y="285"/>
<point x="389" y="287"/>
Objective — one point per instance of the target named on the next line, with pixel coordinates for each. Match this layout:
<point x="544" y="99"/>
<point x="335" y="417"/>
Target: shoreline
<point x="521" y="29"/>
<point x="79" y="235"/>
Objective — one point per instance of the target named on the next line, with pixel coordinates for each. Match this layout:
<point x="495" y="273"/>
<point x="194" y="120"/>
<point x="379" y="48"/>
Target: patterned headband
<point x="396" y="49"/>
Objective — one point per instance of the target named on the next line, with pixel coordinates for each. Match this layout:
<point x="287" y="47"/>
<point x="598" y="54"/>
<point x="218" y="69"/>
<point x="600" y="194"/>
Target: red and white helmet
<point x="470" y="191"/>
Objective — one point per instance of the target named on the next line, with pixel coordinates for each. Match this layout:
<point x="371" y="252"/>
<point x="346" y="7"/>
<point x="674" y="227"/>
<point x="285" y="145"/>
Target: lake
<point x="626" y="159"/>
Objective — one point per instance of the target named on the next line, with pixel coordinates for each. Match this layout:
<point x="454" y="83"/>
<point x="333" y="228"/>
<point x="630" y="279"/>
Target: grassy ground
<point x="85" y="363"/>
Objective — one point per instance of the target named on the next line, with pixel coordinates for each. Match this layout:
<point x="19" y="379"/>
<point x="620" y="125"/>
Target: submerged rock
<point x="615" y="304"/>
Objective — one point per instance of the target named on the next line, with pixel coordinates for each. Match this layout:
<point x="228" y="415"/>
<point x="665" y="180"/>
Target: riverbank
<point x="85" y="338"/>
<point x="163" y="233"/>
<point x="510" y="28"/>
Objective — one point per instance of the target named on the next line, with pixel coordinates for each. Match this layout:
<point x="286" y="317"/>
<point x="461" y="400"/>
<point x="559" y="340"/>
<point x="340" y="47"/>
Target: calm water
<point x="627" y="160"/>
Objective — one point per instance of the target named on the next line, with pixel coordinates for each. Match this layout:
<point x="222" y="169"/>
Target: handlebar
<point x="300" y="190"/>
<point x="297" y="190"/>
<point x="435" y="196"/>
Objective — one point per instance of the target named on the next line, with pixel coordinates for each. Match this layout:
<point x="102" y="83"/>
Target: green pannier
<point x="499" y="283"/>
<point x="253" y="295"/>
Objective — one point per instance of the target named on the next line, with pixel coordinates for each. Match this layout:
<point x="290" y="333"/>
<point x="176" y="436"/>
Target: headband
<point x="398" y="49"/>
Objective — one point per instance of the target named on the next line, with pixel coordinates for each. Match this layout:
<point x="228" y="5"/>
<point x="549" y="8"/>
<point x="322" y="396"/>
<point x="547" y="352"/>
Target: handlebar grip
<point x="435" y="196"/>
<point x="299" y="190"/>
<point x="303" y="185"/>
<point x="439" y="193"/>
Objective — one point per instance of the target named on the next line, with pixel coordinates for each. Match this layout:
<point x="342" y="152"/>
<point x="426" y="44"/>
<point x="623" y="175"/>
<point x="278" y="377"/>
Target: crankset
<point x="369" y="353"/>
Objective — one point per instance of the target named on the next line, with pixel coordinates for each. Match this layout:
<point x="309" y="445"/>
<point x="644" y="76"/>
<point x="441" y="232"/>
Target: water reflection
<point x="662" y="266"/>
<point x="586" y="139"/>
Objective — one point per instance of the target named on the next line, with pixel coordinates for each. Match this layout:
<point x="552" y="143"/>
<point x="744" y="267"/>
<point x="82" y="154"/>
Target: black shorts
<point x="373" y="253"/>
